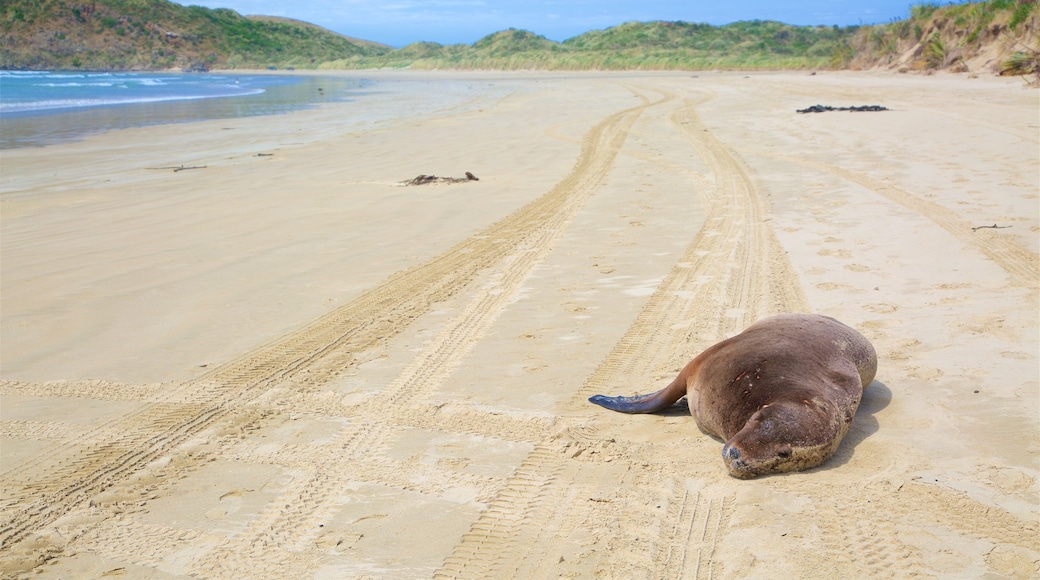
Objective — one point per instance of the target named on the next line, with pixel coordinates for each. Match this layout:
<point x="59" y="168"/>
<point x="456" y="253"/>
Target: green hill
<point x="157" y="34"/>
<point x="633" y="45"/>
<point x="995" y="36"/>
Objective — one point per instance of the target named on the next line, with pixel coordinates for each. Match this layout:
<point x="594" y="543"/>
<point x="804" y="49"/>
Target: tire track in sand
<point x="274" y="539"/>
<point x="867" y="541"/>
<point x="1018" y="261"/>
<point x="695" y="520"/>
<point x="874" y="530"/>
<point x="121" y="448"/>
<point x="734" y="270"/>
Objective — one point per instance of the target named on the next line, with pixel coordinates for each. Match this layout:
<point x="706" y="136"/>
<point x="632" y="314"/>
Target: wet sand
<point x="285" y="364"/>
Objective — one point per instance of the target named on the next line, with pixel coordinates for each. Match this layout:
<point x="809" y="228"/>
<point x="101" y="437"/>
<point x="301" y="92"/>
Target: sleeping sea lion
<point x="781" y="394"/>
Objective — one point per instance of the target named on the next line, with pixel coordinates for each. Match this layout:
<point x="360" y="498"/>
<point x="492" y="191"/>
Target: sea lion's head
<point x="784" y="436"/>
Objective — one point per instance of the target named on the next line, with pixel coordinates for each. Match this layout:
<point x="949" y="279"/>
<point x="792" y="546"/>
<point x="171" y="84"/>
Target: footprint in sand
<point x="835" y="253"/>
<point x="337" y="541"/>
<point x="881" y="308"/>
<point x="901" y="352"/>
<point x="230" y="503"/>
<point x="925" y="373"/>
<point x="989" y="326"/>
<point x="535" y="368"/>
<point x="1006" y="479"/>
<point x="857" y="268"/>
<point x="1011" y="562"/>
<point x="456" y="463"/>
<point x="954" y="300"/>
<point x="831" y="286"/>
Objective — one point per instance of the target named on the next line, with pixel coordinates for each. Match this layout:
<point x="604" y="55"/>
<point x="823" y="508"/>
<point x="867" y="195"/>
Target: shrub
<point x="935" y="51"/>
<point x="923" y="10"/>
<point x="1021" y="13"/>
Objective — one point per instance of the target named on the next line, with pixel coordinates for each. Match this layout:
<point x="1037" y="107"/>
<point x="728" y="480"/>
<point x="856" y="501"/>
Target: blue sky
<point x="401" y="22"/>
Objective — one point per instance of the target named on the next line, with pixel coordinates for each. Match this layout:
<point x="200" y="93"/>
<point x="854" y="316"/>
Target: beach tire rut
<point x="240" y="396"/>
<point x="385" y="395"/>
<point x="732" y="272"/>
<point x="1021" y="264"/>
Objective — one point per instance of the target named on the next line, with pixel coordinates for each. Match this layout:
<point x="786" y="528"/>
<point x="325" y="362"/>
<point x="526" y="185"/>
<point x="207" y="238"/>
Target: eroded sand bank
<point x="288" y="365"/>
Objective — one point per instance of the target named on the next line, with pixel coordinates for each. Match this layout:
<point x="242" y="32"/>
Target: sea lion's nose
<point x="737" y="466"/>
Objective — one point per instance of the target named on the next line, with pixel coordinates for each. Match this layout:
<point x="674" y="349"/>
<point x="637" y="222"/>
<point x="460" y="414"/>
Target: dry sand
<point x="290" y="366"/>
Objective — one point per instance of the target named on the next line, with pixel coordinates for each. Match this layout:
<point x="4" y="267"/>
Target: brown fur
<point x="781" y="394"/>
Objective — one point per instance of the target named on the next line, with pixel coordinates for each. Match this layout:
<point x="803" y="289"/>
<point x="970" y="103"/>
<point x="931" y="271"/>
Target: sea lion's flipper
<point x="650" y="403"/>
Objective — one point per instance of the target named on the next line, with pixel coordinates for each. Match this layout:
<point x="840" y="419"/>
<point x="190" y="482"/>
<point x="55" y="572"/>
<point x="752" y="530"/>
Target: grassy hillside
<point x="992" y="36"/>
<point x="634" y="46"/>
<point x="358" y="41"/>
<point x="157" y="34"/>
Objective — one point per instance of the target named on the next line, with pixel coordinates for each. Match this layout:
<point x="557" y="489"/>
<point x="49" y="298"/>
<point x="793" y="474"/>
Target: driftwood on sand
<point x="854" y="109"/>
<point x="425" y="179"/>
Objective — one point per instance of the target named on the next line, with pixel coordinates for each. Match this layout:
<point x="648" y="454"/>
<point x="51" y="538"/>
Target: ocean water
<point x="41" y="108"/>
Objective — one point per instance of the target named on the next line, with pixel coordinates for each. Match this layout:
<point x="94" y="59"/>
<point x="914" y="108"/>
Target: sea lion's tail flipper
<point x="650" y="403"/>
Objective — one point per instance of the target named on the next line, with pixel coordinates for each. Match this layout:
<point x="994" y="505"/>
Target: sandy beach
<point x="283" y="363"/>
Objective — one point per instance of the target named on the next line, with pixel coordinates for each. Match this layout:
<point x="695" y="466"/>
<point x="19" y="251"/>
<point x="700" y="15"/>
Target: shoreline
<point x="148" y="119"/>
<point x="290" y="364"/>
<point x="50" y="107"/>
